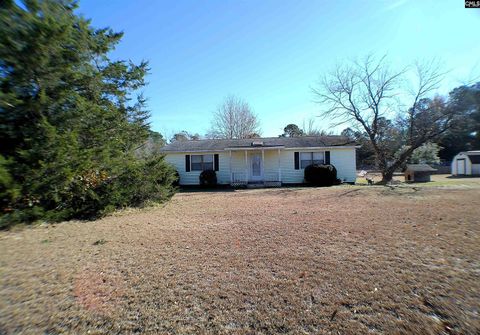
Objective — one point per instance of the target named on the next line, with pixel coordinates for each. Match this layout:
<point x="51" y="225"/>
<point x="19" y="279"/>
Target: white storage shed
<point x="466" y="163"/>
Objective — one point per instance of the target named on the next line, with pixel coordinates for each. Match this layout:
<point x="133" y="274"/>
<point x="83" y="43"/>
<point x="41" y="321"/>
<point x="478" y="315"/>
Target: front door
<point x="460" y="166"/>
<point x="256" y="173"/>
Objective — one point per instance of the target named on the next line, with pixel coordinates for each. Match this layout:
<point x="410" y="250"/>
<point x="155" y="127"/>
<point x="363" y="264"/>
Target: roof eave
<point x="326" y="147"/>
<point x="255" y="148"/>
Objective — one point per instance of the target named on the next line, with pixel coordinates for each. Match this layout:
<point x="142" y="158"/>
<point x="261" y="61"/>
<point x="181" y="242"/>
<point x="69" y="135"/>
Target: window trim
<point x="311" y="158"/>
<point x="202" y="162"/>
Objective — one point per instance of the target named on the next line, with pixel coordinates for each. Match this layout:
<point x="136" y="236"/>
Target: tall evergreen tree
<point x="69" y="116"/>
<point x="292" y="130"/>
<point x="464" y="100"/>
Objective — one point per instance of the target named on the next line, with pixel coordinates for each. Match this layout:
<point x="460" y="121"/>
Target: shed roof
<point x="286" y="142"/>
<point x="475" y="159"/>
<point x="473" y="155"/>
<point x="419" y="168"/>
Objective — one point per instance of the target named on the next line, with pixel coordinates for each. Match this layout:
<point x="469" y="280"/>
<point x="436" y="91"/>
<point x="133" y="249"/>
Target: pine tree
<point x="69" y="117"/>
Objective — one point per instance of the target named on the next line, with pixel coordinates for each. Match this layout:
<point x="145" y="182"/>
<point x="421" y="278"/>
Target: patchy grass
<point x="451" y="181"/>
<point x="440" y="180"/>
<point x="347" y="259"/>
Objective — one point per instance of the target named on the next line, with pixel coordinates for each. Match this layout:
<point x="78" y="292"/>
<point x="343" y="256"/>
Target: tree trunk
<point x="387" y="172"/>
<point x="387" y="176"/>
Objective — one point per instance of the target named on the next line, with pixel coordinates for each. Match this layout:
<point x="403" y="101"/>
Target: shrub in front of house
<point x="90" y="193"/>
<point x="135" y="184"/>
<point x="208" y="178"/>
<point x="176" y="181"/>
<point x="321" y="175"/>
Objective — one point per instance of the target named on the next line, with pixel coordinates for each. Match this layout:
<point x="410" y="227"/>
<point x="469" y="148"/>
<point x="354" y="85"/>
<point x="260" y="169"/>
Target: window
<point x="309" y="158"/>
<point x="201" y="162"/>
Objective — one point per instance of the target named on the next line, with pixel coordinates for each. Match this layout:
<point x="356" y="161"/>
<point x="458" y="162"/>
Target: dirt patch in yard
<point x="348" y="260"/>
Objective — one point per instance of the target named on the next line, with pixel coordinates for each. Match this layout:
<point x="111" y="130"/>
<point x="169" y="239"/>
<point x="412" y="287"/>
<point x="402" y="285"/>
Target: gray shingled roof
<point x="473" y="155"/>
<point x="419" y="168"/>
<point x="287" y="142"/>
<point x="475" y="159"/>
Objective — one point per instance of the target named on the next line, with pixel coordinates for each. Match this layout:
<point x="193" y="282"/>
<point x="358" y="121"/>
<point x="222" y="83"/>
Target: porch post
<point x="279" y="169"/>
<point x="263" y="164"/>
<point x="231" y="172"/>
<point x="246" y="167"/>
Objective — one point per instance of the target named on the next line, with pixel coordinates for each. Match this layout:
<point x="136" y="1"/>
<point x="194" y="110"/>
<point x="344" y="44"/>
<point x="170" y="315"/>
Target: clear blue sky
<point x="271" y="52"/>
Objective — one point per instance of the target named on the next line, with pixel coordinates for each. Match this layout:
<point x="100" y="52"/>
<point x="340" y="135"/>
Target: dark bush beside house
<point x="321" y="175"/>
<point x="208" y="178"/>
<point x="176" y="181"/>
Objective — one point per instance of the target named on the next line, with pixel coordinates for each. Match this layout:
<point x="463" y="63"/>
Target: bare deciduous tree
<point x="310" y="129"/>
<point x="234" y="119"/>
<point x="366" y="95"/>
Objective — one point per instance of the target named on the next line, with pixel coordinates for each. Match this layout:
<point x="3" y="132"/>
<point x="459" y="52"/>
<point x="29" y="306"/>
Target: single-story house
<point x="418" y="173"/>
<point x="466" y="163"/>
<point x="270" y="161"/>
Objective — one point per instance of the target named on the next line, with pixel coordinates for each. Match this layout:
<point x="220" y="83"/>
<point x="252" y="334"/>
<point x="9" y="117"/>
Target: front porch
<point x="255" y="167"/>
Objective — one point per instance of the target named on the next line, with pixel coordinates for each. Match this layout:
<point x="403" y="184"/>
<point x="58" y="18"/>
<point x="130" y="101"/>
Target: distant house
<point x="466" y="163"/>
<point x="269" y="161"/>
<point x="418" y="173"/>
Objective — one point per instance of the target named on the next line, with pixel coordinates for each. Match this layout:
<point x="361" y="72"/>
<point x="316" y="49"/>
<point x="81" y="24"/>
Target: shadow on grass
<point x="228" y="188"/>
<point x="217" y="189"/>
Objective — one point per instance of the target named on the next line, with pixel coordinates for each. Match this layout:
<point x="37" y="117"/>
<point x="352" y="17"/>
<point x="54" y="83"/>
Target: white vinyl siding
<point x="345" y="162"/>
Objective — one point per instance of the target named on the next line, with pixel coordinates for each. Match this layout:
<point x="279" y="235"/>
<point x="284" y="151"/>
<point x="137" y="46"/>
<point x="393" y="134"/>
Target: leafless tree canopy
<point x="309" y="128"/>
<point x="369" y="95"/>
<point x="234" y="119"/>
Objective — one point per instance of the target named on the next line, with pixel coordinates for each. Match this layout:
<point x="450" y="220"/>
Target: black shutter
<point x="187" y="163"/>
<point x="215" y="162"/>
<point x="327" y="157"/>
<point x="297" y="160"/>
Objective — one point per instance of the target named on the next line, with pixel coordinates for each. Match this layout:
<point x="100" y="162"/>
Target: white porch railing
<point x="238" y="179"/>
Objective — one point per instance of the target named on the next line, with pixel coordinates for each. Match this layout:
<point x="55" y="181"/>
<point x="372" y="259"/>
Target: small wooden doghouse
<point x="417" y="173"/>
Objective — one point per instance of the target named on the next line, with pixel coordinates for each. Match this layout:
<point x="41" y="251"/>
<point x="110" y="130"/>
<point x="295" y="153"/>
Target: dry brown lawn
<point x="341" y="260"/>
